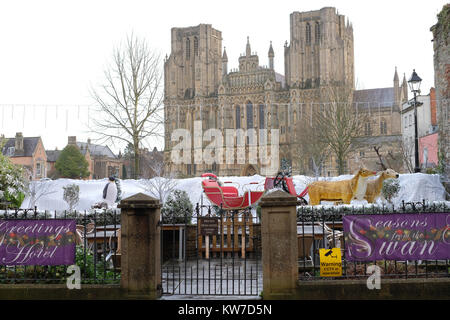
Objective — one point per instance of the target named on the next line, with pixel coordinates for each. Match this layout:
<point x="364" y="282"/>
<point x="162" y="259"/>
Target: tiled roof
<point x="52" y="155"/>
<point x="29" y="145"/>
<point x="379" y="97"/>
<point x="97" y="150"/>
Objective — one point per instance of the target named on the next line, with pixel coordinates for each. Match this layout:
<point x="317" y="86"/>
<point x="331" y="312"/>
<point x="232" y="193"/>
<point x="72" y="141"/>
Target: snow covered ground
<point x="413" y="187"/>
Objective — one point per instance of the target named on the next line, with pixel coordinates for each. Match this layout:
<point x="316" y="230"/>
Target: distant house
<point x="151" y="164"/>
<point x="105" y="163"/>
<point x="28" y="152"/>
<point x="53" y="155"/>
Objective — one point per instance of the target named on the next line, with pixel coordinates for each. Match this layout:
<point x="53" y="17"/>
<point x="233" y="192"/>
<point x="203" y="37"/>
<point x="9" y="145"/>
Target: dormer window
<point x="11" y="151"/>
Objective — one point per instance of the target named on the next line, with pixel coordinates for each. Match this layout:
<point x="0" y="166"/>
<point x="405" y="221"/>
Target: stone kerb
<point x="279" y="245"/>
<point x="141" y="255"/>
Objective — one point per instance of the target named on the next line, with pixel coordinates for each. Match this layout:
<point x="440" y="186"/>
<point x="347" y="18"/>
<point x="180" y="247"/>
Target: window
<point x="11" y="151"/>
<point x="383" y="127"/>
<point x="249" y="115"/>
<point x="410" y="120"/>
<point x="317" y="33"/>
<point x="362" y="154"/>
<point x="261" y="116"/>
<point x="308" y="33"/>
<point x="38" y="169"/>
<point x="195" y="46"/>
<point x="238" y="117"/>
<point x="274" y="117"/>
<point x="367" y="130"/>
<point x="188" y="49"/>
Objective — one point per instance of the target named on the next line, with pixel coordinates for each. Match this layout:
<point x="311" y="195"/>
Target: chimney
<point x="72" y="140"/>
<point x="19" y="141"/>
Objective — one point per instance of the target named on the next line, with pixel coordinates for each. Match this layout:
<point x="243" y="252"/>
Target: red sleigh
<point x="228" y="197"/>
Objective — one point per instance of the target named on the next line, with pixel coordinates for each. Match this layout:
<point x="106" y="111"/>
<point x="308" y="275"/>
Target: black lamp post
<point x="414" y="85"/>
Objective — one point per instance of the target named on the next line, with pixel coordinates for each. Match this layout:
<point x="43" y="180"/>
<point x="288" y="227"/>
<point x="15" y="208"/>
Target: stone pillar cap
<point x="139" y="200"/>
<point x="278" y="198"/>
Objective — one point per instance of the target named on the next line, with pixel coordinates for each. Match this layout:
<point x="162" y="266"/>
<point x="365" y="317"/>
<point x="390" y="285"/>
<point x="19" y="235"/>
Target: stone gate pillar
<point x="279" y="245"/>
<point x="141" y="251"/>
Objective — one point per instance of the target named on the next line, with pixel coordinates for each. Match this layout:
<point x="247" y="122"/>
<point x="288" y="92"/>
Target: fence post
<point x="141" y="259"/>
<point x="279" y="245"/>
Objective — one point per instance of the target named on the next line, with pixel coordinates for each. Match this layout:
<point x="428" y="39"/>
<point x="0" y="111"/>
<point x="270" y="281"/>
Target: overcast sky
<point x="53" y="51"/>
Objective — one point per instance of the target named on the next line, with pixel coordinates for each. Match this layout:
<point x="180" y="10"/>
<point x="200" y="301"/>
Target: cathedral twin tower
<point x="199" y="87"/>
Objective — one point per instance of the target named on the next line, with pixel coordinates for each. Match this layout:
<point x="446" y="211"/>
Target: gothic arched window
<point x="367" y="130"/>
<point x="195" y="46"/>
<point x="261" y="116"/>
<point x="238" y="117"/>
<point x="274" y="117"/>
<point x="383" y="126"/>
<point x="188" y="49"/>
<point x="317" y="33"/>
<point x="308" y="33"/>
<point x="249" y="115"/>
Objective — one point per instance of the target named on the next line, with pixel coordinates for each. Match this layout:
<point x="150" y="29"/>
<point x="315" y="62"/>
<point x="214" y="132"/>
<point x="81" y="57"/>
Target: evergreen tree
<point x="178" y="208"/>
<point x="72" y="164"/>
<point x="12" y="181"/>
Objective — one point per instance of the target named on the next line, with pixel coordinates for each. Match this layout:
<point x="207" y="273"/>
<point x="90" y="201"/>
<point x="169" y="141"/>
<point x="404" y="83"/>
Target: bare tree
<point x="130" y="101"/>
<point x="310" y="156"/>
<point x="162" y="184"/>
<point x="407" y="151"/>
<point x="38" y="189"/>
<point x="337" y="122"/>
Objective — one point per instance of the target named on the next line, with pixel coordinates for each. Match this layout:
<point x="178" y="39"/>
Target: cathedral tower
<point x="194" y="67"/>
<point x="320" y="51"/>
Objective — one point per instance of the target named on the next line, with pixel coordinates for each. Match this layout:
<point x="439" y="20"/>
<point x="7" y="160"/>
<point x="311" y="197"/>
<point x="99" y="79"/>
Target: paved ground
<point x="222" y="278"/>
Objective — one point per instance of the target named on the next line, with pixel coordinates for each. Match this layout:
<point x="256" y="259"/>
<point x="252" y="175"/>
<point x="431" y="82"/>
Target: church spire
<point x="271" y="55"/>
<point x="248" y="50"/>
<point x="224" y="62"/>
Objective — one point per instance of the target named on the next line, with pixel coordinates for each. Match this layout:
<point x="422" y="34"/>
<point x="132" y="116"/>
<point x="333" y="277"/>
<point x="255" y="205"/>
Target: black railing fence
<point x="97" y="251"/>
<point x="322" y="227"/>
<point x="211" y="251"/>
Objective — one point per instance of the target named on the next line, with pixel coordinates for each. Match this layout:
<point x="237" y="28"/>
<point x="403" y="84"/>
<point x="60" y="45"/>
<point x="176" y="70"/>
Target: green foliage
<point x="390" y="189"/>
<point x="72" y="164"/>
<point x="12" y="181"/>
<point x="92" y="272"/>
<point x="177" y="208"/>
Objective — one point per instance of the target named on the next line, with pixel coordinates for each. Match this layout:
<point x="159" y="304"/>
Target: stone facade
<point x="441" y="46"/>
<point x="199" y="87"/>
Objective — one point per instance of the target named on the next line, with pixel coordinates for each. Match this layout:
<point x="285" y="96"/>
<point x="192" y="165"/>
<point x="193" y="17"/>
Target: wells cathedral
<point x="199" y="87"/>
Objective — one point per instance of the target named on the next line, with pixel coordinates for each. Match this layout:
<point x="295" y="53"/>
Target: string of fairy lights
<point x="67" y="116"/>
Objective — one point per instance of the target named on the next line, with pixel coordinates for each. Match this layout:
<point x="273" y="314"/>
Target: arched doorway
<point x="249" y="170"/>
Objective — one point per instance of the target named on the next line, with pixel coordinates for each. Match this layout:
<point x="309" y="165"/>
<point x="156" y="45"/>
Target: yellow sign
<point x="330" y="262"/>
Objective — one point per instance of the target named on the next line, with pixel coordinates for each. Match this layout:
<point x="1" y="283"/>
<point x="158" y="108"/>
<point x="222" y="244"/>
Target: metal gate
<point x="211" y="252"/>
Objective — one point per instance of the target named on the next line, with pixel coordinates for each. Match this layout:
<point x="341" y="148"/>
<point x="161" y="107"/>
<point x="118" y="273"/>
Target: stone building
<point x="199" y="88"/>
<point x="441" y="47"/>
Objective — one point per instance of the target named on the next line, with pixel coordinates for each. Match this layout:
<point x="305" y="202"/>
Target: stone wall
<point x="441" y="46"/>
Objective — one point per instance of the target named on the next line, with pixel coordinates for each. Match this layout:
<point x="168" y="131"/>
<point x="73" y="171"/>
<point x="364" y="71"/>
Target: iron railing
<point x="226" y="263"/>
<point x="97" y="255"/>
<point x="324" y="225"/>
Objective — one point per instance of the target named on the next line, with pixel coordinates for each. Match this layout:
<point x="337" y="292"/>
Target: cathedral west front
<point x="199" y="88"/>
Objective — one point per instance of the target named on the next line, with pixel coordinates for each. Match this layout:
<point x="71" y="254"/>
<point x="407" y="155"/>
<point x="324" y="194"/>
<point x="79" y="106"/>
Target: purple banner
<point x="37" y="242"/>
<point x="423" y="236"/>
